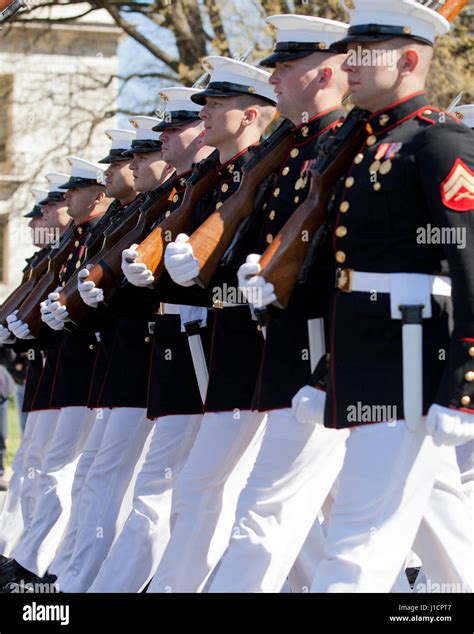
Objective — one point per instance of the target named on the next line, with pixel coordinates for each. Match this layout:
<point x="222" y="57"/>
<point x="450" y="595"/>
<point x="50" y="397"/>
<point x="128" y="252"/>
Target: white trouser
<point x="295" y="470"/>
<point x="445" y="538"/>
<point x="105" y="485"/>
<point x="11" y="519"/>
<point x="205" y="499"/>
<point x="137" y="551"/>
<point x="465" y="457"/>
<point x="37" y="547"/>
<point x="383" y="491"/>
<point x="44" y="425"/>
<point x="89" y="452"/>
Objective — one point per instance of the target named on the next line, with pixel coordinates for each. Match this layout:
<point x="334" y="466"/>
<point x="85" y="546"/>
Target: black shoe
<point x="36" y="585"/>
<point x="12" y="571"/>
<point x="412" y="574"/>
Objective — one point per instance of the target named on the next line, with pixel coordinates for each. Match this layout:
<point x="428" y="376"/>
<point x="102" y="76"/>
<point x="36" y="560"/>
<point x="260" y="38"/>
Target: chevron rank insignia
<point x="457" y="191"/>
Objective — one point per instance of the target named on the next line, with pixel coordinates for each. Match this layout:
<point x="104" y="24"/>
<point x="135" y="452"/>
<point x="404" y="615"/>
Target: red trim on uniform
<point x="463" y="409"/>
<point x="55" y="371"/>
<point x="90" y="218"/>
<point x="469" y="340"/>
<point x="397" y="103"/>
<point x="333" y="381"/>
<point x="211" y="355"/>
<point x="231" y="160"/>
<point x="397" y="123"/>
<point x="318" y="134"/>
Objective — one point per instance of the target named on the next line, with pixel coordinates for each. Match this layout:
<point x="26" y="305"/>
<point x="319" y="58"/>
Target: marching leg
<point x="78" y="510"/>
<point x="37" y="548"/>
<point x="104" y="488"/>
<point x="135" y="555"/>
<point x="205" y="498"/>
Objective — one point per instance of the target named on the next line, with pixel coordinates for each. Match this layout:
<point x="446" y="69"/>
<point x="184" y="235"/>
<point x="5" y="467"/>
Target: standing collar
<point x="392" y="115"/>
<point x="319" y="123"/>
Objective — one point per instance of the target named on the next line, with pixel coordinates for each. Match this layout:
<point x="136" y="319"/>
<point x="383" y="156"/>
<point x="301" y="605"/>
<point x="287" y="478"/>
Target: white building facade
<point x="58" y="93"/>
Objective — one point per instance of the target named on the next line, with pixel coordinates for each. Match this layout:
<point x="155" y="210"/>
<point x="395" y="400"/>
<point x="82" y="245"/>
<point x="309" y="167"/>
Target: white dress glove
<point x="252" y="286"/>
<point x="135" y="272"/>
<point x="48" y="315"/>
<point x="180" y="261"/>
<point x="449" y="426"/>
<point x="307" y="406"/>
<point x="18" y="328"/>
<point x="90" y="294"/>
<point x="6" y="336"/>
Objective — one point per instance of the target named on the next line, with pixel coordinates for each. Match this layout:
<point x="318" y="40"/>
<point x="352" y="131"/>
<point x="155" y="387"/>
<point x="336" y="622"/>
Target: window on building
<point x="6" y="84"/>
<point x="3" y="249"/>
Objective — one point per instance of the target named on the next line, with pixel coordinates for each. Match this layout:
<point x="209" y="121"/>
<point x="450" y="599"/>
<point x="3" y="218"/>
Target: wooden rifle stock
<point x="107" y="271"/>
<point x="283" y="259"/>
<point x="151" y="251"/>
<point x="212" y="239"/>
<point x="29" y="281"/>
<point x="97" y="246"/>
<point x="30" y="310"/>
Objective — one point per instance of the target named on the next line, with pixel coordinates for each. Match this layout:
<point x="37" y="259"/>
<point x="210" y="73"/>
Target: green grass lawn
<point x="14" y="432"/>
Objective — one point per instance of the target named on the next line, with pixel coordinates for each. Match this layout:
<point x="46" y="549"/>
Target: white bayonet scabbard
<point x="192" y="329"/>
<point x="412" y="343"/>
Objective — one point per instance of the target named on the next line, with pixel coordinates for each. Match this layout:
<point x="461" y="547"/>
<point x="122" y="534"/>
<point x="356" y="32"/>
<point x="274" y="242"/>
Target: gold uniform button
<point x="269" y="238"/>
<point x="426" y="113"/>
<point x="219" y="205"/>
<point x="341" y="257"/>
<point x="374" y="167"/>
<point x="91" y="347"/>
<point x="78" y="265"/>
<point x="341" y="232"/>
<point x="344" y="207"/>
<point x="147" y="339"/>
<point x="469" y="376"/>
<point x="69" y="257"/>
<point x="384" y="119"/>
<point x="471" y="351"/>
<point x="272" y="215"/>
<point x="76" y="243"/>
<point x="286" y="171"/>
<point x="276" y="193"/>
<point x="225" y="188"/>
<point x="296" y="200"/>
<point x="79" y="230"/>
<point x="377" y="187"/>
<point x="175" y="198"/>
<point x="386" y="167"/>
<point x="305" y="131"/>
<point x="359" y="158"/>
<point x="407" y="30"/>
<point x="167" y="214"/>
<point x="372" y="140"/>
<point x="350" y="182"/>
<point x="466" y="400"/>
<point x="294" y="152"/>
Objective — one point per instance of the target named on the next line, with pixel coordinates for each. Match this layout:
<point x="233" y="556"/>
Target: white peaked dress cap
<point x="83" y="173"/>
<point x="300" y="35"/>
<point x="376" y="20"/>
<point x="147" y="140"/>
<point x="121" y="142"/>
<point x="230" y="78"/>
<point x="180" y="109"/>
